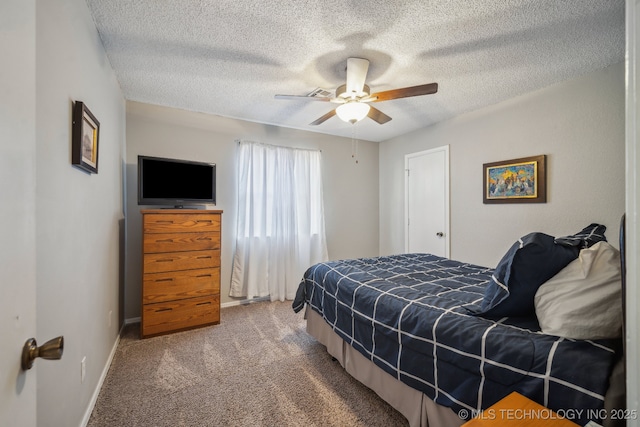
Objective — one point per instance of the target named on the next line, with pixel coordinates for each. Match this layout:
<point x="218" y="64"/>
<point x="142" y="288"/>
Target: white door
<point x="427" y="202"/>
<point x="17" y="210"/>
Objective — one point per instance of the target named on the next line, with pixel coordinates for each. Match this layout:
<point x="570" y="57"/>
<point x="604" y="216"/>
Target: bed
<point x="441" y="340"/>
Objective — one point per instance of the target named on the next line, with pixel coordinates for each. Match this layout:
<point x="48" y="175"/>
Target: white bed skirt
<point x="419" y="410"/>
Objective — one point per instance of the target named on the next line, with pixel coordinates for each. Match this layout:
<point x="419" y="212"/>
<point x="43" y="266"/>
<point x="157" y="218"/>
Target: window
<point x="280" y="225"/>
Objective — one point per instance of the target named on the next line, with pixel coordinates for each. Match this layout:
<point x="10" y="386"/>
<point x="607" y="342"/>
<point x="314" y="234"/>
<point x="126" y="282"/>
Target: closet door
<point x="427" y="202"/>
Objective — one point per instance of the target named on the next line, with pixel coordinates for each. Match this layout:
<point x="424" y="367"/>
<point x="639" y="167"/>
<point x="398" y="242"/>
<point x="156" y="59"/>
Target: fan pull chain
<point x="354" y="142"/>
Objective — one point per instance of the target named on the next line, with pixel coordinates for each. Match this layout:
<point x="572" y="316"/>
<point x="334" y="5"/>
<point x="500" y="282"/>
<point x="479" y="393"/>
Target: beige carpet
<point x="259" y="367"/>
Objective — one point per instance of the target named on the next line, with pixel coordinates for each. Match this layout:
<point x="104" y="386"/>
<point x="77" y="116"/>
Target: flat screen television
<point x="175" y="182"/>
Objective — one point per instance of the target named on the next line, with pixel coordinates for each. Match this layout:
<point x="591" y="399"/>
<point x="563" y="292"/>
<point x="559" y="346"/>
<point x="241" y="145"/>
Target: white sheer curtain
<point x="280" y="220"/>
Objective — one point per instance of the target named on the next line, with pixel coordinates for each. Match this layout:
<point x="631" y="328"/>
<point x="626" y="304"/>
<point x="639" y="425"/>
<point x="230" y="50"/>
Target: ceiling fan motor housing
<point x="341" y="92"/>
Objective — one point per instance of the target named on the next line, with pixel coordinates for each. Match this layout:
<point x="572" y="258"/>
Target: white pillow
<point x="584" y="300"/>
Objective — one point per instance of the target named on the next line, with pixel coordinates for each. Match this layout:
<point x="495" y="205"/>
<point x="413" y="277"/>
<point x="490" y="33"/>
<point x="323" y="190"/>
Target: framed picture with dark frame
<point x="515" y="181"/>
<point x="85" y="139"/>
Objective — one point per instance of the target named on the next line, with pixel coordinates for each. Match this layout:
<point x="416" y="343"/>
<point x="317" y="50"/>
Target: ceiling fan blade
<point x="323" y="118"/>
<point x="406" y="92"/>
<point x="356" y="75"/>
<point x="304" y="98"/>
<point x="378" y="115"/>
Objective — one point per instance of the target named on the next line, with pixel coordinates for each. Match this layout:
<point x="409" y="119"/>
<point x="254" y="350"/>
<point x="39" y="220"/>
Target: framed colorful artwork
<point x="515" y="181"/>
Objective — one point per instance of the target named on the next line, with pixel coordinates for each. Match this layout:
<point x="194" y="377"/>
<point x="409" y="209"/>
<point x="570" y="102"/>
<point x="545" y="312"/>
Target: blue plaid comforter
<point x="409" y="314"/>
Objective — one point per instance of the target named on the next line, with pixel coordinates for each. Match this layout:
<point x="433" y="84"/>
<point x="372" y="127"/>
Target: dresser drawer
<point x="176" y="261"/>
<point x="182" y="314"/>
<point x="174" y="242"/>
<point x="181" y="223"/>
<point x="161" y="287"/>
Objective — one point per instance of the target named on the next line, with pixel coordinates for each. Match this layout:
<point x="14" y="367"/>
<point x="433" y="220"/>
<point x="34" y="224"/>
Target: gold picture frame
<point x="515" y="181"/>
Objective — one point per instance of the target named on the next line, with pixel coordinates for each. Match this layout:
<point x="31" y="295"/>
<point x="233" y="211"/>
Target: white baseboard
<point x="132" y="320"/>
<point x="103" y="376"/>
<point x="244" y="301"/>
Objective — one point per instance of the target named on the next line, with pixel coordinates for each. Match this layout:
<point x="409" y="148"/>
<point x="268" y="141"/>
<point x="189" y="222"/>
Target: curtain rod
<point x="239" y="141"/>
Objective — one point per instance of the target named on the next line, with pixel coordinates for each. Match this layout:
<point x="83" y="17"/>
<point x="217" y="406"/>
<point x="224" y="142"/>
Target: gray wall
<point x="578" y="124"/>
<point x="350" y="189"/>
<point x="78" y="215"/>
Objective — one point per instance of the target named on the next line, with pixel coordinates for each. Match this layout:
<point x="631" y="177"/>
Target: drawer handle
<point x="203" y="275"/>
<point x="208" y="221"/>
<point x="160" y="310"/>
<point x="204" y="303"/>
<point x="204" y="257"/>
<point x="164" y="241"/>
<point x="164" y="280"/>
<point x="165" y="260"/>
<point x="205" y="238"/>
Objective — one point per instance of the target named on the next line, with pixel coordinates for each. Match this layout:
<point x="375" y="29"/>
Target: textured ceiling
<point x="230" y="57"/>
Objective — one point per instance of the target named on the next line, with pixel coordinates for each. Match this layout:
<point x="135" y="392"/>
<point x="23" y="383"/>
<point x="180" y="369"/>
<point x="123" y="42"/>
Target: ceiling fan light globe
<point x="353" y="112"/>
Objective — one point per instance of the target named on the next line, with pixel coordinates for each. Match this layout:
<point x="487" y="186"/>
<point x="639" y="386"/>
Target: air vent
<point x="319" y="93"/>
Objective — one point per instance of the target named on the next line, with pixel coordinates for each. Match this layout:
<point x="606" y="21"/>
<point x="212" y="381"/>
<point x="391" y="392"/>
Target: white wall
<point x="78" y="215"/>
<point x="17" y="209"/>
<point x="350" y="189"/>
<point x="578" y="124"/>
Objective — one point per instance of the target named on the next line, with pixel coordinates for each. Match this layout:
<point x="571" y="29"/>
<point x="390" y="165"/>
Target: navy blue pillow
<point x="585" y="238"/>
<point x="531" y="261"/>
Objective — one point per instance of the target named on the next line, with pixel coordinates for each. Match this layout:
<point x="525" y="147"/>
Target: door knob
<point x="439" y="234"/>
<point x="51" y="350"/>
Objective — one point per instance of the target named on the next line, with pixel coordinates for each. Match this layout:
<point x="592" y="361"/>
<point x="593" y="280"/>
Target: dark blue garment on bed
<point x="412" y="316"/>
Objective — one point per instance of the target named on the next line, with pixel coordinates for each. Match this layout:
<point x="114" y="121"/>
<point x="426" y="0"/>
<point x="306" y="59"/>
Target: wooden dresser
<point x="180" y="269"/>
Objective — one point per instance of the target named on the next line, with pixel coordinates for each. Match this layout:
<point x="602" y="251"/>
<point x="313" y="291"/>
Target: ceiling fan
<point x="354" y="96"/>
